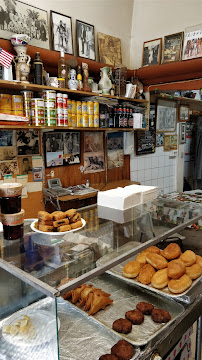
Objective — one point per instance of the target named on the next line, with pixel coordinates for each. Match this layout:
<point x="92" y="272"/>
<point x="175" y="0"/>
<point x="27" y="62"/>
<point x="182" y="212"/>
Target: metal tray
<point x="125" y="298"/>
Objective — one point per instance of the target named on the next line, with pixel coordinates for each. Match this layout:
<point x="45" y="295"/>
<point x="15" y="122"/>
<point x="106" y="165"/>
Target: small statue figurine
<point x="22" y="60"/>
<point x="86" y="86"/>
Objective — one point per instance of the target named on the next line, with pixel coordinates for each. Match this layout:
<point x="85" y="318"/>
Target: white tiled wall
<point x="155" y="169"/>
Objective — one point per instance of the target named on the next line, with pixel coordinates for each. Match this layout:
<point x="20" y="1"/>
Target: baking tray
<point x="125" y="298"/>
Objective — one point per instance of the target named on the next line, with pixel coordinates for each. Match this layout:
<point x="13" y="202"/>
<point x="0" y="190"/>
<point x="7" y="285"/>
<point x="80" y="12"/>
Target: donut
<point x="141" y="258"/>
<point x="188" y="257"/>
<point x="194" y="271"/>
<point x="160" y="315"/>
<point x="146" y="273"/>
<point x="135" y="316"/>
<point x="157" y="261"/>
<point x="131" y="269"/>
<point x="123" y="326"/>
<point x="176" y="268"/>
<point x="172" y="251"/>
<point x="145" y="308"/>
<point x="123" y="350"/>
<point x="108" y="357"/>
<point x="160" y="279"/>
<point x="199" y="260"/>
<point x="152" y="249"/>
<point x="179" y="285"/>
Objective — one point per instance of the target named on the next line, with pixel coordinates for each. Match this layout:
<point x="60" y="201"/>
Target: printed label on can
<point x="85" y="120"/>
<point x="90" y="108"/>
<point x="96" y="120"/>
<point x="69" y="103"/>
<point x="79" y="120"/>
<point x="84" y="107"/>
<point x="49" y="94"/>
<point x="96" y="108"/>
<point x="38" y="102"/>
<point x="51" y="121"/>
<point x="91" y="120"/>
<point x="69" y="119"/>
<point x="74" y="120"/>
<point x="49" y="103"/>
<point x="65" y="111"/>
<point x="78" y="107"/>
<point x="50" y="113"/>
<point x="73" y="107"/>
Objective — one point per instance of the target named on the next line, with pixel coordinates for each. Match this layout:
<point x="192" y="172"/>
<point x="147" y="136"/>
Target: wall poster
<point x="93" y="152"/>
<point x="115" y="153"/>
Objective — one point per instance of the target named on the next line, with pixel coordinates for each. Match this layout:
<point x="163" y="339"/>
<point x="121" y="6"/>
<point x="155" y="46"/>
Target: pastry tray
<point x="125" y="298"/>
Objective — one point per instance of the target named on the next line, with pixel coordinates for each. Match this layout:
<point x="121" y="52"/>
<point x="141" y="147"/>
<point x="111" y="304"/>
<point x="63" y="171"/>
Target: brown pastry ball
<point x="146" y="274"/>
<point x="176" y="268"/>
<point x="123" y="350"/>
<point x="194" y="271"/>
<point x="135" y="316"/>
<point x="179" y="285"/>
<point x="172" y="251"/>
<point x="160" y="279"/>
<point x="123" y="326"/>
<point x="131" y="269"/>
<point x="160" y="316"/>
<point x="152" y="249"/>
<point x="188" y="257"/>
<point x="199" y="260"/>
<point x="157" y="261"/>
<point x="108" y="357"/>
<point x="145" y="308"/>
<point x="141" y="258"/>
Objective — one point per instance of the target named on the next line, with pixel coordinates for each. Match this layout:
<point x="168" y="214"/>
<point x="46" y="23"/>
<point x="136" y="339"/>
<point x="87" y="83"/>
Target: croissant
<point x="90" y="298"/>
<point x="84" y="294"/>
<point x="77" y="292"/>
<point x="99" y="302"/>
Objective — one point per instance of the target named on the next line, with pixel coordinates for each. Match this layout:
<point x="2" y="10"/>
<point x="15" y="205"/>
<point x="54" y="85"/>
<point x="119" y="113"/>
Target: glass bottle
<point x="62" y="67"/>
<point x="116" y="117"/>
<point x="131" y="119"/>
<point x="125" y="118"/>
<point x="111" y="118"/>
<point x="120" y="115"/>
<point x="38" y="70"/>
<point x="102" y="116"/>
<point x="79" y="78"/>
<point x="128" y="116"/>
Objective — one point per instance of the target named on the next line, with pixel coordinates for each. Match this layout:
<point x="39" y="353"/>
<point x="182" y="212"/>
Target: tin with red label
<point x="65" y="120"/>
<point x="65" y="99"/>
<point x="59" y="100"/>
<point x="60" y="119"/>
<point x="38" y="121"/>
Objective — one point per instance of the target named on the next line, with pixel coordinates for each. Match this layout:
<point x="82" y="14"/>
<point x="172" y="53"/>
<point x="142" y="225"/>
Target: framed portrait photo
<point x="17" y="17"/>
<point x="151" y="52"/>
<point x="192" y="42"/>
<point x="109" y="49"/>
<point x="85" y="39"/>
<point x="61" y="31"/>
<point x="183" y="113"/>
<point x="172" y="50"/>
<point x="166" y="116"/>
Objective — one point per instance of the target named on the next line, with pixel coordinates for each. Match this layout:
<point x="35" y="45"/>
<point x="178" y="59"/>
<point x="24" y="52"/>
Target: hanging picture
<point x="172" y="50"/>
<point x="151" y="52"/>
<point x="6" y="137"/>
<point x="27" y="142"/>
<point x="166" y="115"/>
<point x="183" y="113"/>
<point x="170" y="142"/>
<point x="61" y="30"/>
<point x="20" y="18"/>
<point x="93" y="152"/>
<point x="159" y="139"/>
<point x="9" y="167"/>
<point x="192" y="42"/>
<point x="109" y="49"/>
<point x="85" y="38"/>
<point x="93" y="142"/>
<point x="25" y="165"/>
<point x="115" y="154"/>
<point x="71" y="148"/>
<point x="8" y="152"/>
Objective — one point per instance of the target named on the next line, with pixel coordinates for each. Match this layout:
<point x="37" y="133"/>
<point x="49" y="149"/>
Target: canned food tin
<point x="69" y="103"/>
<point x="37" y="102"/>
<point x="69" y="119"/>
<point x="6" y="111"/>
<point x="59" y="111"/>
<point x="37" y="113"/>
<point x="90" y="108"/>
<point x="50" y="104"/>
<point x="73" y="107"/>
<point x="74" y="120"/>
<point x="78" y="107"/>
<point x="5" y="101"/>
<point x="59" y="100"/>
<point x="96" y="108"/>
<point x="96" y="120"/>
<point x="79" y="120"/>
<point x="85" y="120"/>
<point x="65" y="111"/>
<point x="50" y="113"/>
<point x="49" y="94"/>
<point x="90" y="120"/>
<point x="27" y="95"/>
<point x="60" y="120"/>
<point x="17" y="102"/>
<point x="65" y="98"/>
<point x="65" y="120"/>
<point x="84" y="107"/>
<point x="51" y="121"/>
<point x="27" y="112"/>
<point x="38" y="121"/>
<point x="17" y="112"/>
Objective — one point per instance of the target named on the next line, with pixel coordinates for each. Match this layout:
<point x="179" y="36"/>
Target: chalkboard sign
<point x="145" y="140"/>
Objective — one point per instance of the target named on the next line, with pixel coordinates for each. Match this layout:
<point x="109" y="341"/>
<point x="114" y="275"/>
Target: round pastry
<point x="146" y="273"/>
<point x="135" y="316"/>
<point x="188" y="257"/>
<point x="123" y="350"/>
<point x="152" y="249"/>
<point x="160" y="279"/>
<point x="176" y="268"/>
<point x="199" y="260"/>
<point x="145" y="308"/>
<point x="141" y="258"/>
<point x="157" y="261"/>
<point x="131" y="269"/>
<point x="108" y="357"/>
<point x="180" y="285"/>
<point x="172" y="251"/>
<point x="160" y="316"/>
<point x="194" y="271"/>
<point x="123" y="326"/>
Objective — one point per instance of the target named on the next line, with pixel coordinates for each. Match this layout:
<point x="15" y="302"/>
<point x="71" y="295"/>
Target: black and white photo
<point x="27" y="142"/>
<point x="61" y="28"/>
<point x="54" y="141"/>
<point x="166" y="116"/>
<point x="20" y="18"/>
<point x="85" y="37"/>
<point x="72" y="147"/>
<point x="6" y="137"/>
<point x="151" y="52"/>
<point x="93" y="162"/>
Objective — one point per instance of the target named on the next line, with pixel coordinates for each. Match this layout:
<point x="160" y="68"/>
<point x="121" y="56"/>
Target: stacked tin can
<point x="38" y="115"/>
<point x="96" y="113"/>
<point x="49" y="97"/>
<point x="27" y="97"/>
<point x="17" y="105"/>
<point x="6" y="103"/>
<point x="62" y="109"/>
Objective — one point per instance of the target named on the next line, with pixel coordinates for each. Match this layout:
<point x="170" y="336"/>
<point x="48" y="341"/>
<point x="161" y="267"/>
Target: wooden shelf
<point x="182" y="100"/>
<point x="18" y="127"/>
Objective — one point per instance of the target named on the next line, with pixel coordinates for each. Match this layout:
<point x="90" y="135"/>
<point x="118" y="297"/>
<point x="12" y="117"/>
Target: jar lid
<point x="10" y="189"/>
<point x="13" y="219"/>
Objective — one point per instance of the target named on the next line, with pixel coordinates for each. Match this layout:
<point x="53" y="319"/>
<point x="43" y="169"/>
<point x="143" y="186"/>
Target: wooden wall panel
<point x="33" y="204"/>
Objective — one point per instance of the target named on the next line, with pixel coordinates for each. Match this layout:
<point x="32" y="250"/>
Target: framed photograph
<point x="37" y="174"/>
<point x="9" y="167"/>
<point x="152" y="52"/>
<point x="183" y="113"/>
<point x="6" y="137"/>
<point x="109" y="48"/>
<point x="192" y="42"/>
<point x="25" y="165"/>
<point x="172" y="50"/>
<point x="27" y="142"/>
<point x="115" y="153"/>
<point x="93" y="162"/>
<point x="170" y="142"/>
<point x="85" y="39"/>
<point x="21" y="18"/>
<point x="159" y="139"/>
<point x="166" y="116"/>
<point x="61" y="31"/>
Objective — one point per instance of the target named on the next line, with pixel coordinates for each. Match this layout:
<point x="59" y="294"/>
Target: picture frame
<point x="85" y="40"/>
<point x="21" y="18"/>
<point x="151" y="54"/>
<point x="172" y="49"/>
<point x="170" y="142"/>
<point x="183" y="113"/>
<point x="61" y="32"/>
<point x="159" y="139"/>
<point x="192" y="47"/>
<point x="28" y="142"/>
<point x="166" y="117"/>
<point x="109" y="49"/>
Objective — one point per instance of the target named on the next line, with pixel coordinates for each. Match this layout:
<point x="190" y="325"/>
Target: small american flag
<point x="5" y="58"/>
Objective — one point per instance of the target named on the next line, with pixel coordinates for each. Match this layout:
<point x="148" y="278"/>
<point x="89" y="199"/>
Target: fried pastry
<point x="77" y="224"/>
<point x="36" y="225"/>
<point x="146" y="274"/>
<point x="152" y="249"/>
<point x="141" y="258"/>
<point x="84" y="295"/>
<point x="77" y="292"/>
<point x="61" y="222"/>
<point x="75" y="218"/>
<point x="123" y="326"/>
<point x="145" y="307"/>
<point x="188" y="257"/>
<point x="160" y="315"/>
<point x="172" y="251"/>
<point x="176" y="268"/>
<point x="70" y="213"/>
<point x="157" y="261"/>
<point x="160" y="279"/>
<point x="135" y="316"/>
<point x="68" y="295"/>
<point x="58" y="215"/>
<point x="123" y="350"/>
<point x="90" y="297"/>
<point x="64" y="228"/>
<point x="131" y="269"/>
<point x="46" y="228"/>
<point x="180" y="285"/>
<point x="99" y="302"/>
<point x="199" y="260"/>
<point x="44" y="215"/>
<point x="194" y="271"/>
<point x="45" y="222"/>
<point x="108" y="357"/>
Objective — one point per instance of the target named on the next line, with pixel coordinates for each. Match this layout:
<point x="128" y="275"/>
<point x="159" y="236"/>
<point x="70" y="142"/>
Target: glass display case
<point x="40" y="270"/>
